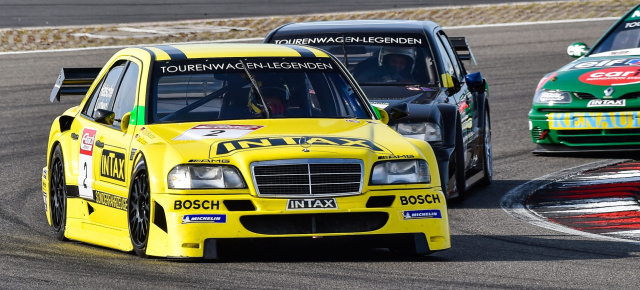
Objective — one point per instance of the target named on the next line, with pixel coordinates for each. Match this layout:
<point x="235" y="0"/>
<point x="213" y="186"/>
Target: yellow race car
<point x="176" y="148"/>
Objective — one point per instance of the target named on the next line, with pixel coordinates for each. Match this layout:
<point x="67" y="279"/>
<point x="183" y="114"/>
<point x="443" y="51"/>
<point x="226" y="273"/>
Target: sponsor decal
<point x="44" y="197"/>
<point x="612" y="76"/>
<point x="209" y="161"/>
<point x="593" y="120"/>
<point x="256" y="143"/>
<point x="352" y="40"/>
<point x="618" y="62"/>
<point x="110" y="200"/>
<point x="635" y="15"/>
<point x="146" y="132"/>
<point x="631" y="24"/>
<point x="606" y="103"/>
<point x="422" y="214"/>
<point x="201" y="132"/>
<point x="133" y="154"/>
<point x="251" y="65"/>
<point x="419" y="199"/>
<point x="395" y="157"/>
<point x="85" y="163"/>
<point x="140" y="139"/>
<point x="112" y="165"/>
<point x="204" y="218"/>
<point x="352" y="121"/>
<point x="86" y="144"/>
<point x="316" y="203"/>
<point x="196" y="204"/>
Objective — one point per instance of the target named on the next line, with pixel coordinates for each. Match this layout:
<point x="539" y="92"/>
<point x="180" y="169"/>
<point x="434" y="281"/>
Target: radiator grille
<point x="308" y="177"/>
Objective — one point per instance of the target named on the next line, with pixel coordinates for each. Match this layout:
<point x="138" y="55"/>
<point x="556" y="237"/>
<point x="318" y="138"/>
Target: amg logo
<point x="112" y="165"/>
<point x="606" y="103"/>
<point x="323" y="203"/>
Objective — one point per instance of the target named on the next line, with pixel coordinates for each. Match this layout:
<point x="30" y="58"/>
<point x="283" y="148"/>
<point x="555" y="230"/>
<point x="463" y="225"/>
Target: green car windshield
<point x="224" y="89"/>
<point x="625" y="36"/>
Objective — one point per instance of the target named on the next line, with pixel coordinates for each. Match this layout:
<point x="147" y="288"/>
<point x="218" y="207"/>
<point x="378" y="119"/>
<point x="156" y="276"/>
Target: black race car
<point x="414" y="71"/>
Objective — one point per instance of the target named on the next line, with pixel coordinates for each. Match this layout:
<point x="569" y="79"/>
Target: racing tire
<point x="456" y="185"/>
<point x="487" y="152"/>
<point x="138" y="209"/>
<point x="58" y="195"/>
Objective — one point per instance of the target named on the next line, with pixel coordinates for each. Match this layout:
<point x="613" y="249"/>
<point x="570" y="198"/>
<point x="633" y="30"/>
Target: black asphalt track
<point x="491" y="249"/>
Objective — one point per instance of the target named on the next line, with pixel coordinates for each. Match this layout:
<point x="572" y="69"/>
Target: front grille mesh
<point x="308" y="177"/>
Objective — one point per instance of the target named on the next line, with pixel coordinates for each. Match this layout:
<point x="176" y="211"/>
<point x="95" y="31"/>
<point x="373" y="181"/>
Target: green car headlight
<point x="552" y="97"/>
<point x="401" y="172"/>
<point x="426" y="131"/>
<point x="204" y="176"/>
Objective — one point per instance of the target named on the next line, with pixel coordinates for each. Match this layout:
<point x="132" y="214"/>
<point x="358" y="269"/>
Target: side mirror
<point x="397" y="111"/>
<point x="476" y="82"/>
<point x="124" y="123"/>
<point x="577" y="49"/>
<point x="447" y="81"/>
<point x="384" y="116"/>
<point x="104" y="116"/>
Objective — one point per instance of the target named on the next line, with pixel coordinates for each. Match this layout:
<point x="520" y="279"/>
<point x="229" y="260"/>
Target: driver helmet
<point x="409" y="52"/>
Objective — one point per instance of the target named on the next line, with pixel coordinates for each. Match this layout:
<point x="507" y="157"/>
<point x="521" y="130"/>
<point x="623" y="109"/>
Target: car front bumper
<point x="180" y="228"/>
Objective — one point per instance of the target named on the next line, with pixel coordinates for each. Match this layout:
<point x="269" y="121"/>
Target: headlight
<point x="204" y="176"/>
<point x="551" y="97"/>
<point x="401" y="172"/>
<point x="429" y="132"/>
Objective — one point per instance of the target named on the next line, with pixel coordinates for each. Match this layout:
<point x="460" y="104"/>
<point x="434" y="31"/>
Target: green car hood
<point x="596" y="73"/>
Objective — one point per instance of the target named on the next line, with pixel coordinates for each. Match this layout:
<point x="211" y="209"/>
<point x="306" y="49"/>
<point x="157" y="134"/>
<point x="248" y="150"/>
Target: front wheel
<point x="58" y="195"/>
<point x="138" y="209"/>
<point x="487" y="152"/>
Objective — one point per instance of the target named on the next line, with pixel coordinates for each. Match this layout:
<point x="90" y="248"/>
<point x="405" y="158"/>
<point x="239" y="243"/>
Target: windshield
<point x="625" y="36"/>
<point x="221" y="89"/>
<point x="394" y="59"/>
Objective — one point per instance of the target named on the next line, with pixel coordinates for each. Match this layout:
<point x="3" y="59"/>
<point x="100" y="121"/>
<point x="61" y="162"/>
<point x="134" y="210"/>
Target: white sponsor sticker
<point x="85" y="161"/>
<point x="316" y="203"/>
<point x="201" y="132"/>
<point x="606" y="103"/>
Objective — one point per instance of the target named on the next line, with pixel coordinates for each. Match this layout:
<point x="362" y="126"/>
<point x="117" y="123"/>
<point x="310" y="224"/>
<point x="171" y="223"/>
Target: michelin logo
<point x="204" y="218"/>
<point x="422" y="214"/>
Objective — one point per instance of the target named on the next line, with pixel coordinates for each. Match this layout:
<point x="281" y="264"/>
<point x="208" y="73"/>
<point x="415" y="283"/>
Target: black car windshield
<point x="625" y="36"/>
<point x="221" y="89"/>
<point x="378" y="59"/>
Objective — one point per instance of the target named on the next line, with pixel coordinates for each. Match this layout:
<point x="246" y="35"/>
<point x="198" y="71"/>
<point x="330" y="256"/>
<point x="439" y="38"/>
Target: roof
<point x="221" y="50"/>
<point x="358" y="26"/>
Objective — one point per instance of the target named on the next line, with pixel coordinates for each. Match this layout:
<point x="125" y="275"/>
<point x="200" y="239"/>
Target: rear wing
<point x="73" y="81"/>
<point x="462" y="48"/>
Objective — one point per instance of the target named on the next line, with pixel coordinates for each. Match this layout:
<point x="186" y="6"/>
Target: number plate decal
<point x="201" y="132"/>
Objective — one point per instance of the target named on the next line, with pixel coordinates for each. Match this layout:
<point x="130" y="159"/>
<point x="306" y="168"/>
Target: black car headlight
<point x="204" y="176"/>
<point x="400" y="172"/>
<point x="426" y="131"/>
<point x="551" y="97"/>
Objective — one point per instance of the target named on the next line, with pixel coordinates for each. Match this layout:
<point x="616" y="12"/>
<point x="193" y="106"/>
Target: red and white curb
<point x="597" y="200"/>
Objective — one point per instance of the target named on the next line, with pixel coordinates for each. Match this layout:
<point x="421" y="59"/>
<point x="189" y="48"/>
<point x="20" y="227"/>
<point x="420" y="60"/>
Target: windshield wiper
<point x="264" y="110"/>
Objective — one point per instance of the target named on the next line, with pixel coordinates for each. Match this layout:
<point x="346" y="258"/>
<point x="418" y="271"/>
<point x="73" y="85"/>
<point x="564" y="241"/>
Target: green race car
<point x="592" y="103"/>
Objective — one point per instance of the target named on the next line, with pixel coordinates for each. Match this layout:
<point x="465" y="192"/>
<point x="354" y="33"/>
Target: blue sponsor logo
<point x="422" y="214"/>
<point x="204" y="218"/>
<point x="633" y="62"/>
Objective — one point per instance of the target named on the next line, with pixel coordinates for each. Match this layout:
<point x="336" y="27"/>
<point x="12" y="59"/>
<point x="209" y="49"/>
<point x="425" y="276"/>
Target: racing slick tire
<point x="138" y="209"/>
<point x="456" y="185"/>
<point x="487" y="152"/>
<point x="58" y="194"/>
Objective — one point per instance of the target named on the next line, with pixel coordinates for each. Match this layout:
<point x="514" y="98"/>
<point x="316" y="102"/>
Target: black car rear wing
<point x="462" y="48"/>
<point x="73" y="81"/>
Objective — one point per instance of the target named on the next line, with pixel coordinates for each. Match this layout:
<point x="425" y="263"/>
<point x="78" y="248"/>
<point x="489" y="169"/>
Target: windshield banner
<point x="253" y="64"/>
<point x="394" y="39"/>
